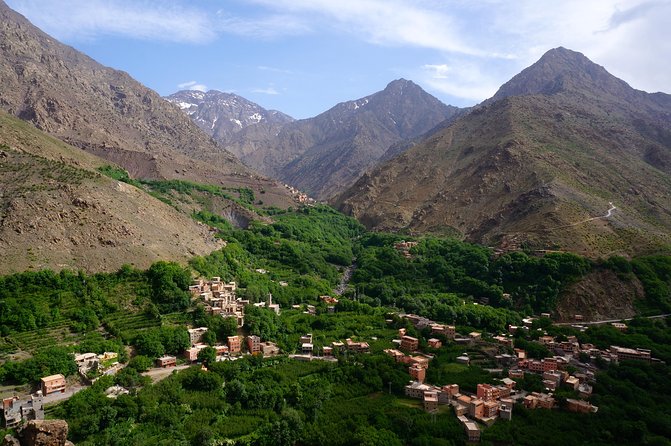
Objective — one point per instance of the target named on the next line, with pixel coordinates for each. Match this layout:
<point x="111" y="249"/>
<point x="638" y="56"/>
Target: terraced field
<point x="127" y="325"/>
<point x="58" y="333"/>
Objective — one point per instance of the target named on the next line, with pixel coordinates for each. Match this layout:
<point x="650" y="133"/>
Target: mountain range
<point x="106" y="112"/>
<point x="564" y="156"/>
<point x="63" y="116"/>
<point x="324" y="154"/>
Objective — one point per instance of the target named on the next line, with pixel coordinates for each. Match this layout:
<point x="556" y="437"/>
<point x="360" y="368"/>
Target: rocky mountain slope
<point x="57" y="211"/>
<point x="537" y="166"/>
<point x="324" y="154"/>
<point x="222" y="115"/>
<point x="107" y="113"/>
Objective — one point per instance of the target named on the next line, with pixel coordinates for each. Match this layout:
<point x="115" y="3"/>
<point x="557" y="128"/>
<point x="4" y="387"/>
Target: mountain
<point x="107" y="113"/>
<point x="221" y="115"/>
<point x="536" y="166"/>
<point x="324" y="154"/>
<point x="57" y="211"/>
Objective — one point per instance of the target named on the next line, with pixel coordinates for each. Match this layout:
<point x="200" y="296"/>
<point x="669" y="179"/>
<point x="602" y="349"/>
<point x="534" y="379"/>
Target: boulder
<point x="44" y="433"/>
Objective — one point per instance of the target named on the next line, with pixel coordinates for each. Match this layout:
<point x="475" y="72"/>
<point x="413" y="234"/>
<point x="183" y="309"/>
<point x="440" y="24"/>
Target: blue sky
<point x="304" y="56"/>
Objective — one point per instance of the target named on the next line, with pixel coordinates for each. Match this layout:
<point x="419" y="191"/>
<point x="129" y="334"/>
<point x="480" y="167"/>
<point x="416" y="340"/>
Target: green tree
<point x="140" y="363"/>
<point x="207" y="355"/>
<point x="169" y="284"/>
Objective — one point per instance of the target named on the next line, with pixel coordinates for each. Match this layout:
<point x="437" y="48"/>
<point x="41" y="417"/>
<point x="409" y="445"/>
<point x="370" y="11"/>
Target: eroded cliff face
<point x="600" y="295"/>
<point x="57" y="211"/>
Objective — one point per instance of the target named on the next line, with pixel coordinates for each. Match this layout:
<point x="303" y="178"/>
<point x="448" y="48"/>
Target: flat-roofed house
<point x="53" y="384"/>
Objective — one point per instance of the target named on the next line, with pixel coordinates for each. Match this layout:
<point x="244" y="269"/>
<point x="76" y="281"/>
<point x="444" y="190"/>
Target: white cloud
<point x="438" y="71"/>
<point x="460" y="79"/>
<point x="262" y="28"/>
<point x="385" y="22"/>
<point x="493" y="40"/>
<point x="268" y="90"/>
<point x="192" y="85"/>
<point x="470" y="47"/>
<point x="139" y="19"/>
<point x="274" y="70"/>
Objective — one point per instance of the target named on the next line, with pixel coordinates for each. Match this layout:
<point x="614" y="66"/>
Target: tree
<point x="210" y="337"/>
<point x="140" y="363"/>
<point x="169" y="284"/>
<point x="175" y="339"/>
<point x="148" y="343"/>
<point x="207" y="355"/>
<point x="370" y="436"/>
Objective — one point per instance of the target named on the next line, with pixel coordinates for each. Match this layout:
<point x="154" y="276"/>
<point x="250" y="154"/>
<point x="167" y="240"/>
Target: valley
<point x="197" y="269"/>
<point x="439" y="279"/>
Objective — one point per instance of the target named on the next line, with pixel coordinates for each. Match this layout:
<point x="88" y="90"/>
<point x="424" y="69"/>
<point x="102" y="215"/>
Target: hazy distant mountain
<point x="106" y="112"/>
<point x="531" y="165"/>
<point x="351" y="137"/>
<point x="222" y="115"/>
<point x="324" y="154"/>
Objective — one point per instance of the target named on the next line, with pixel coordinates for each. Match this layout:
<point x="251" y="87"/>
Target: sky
<point x="304" y="56"/>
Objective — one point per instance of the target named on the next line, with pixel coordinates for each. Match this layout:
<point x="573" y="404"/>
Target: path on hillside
<point x="609" y="321"/>
<point x="344" y="280"/>
<point x="608" y="214"/>
<point x="157" y="374"/>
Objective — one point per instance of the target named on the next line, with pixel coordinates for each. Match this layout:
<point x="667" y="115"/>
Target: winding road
<point x="609" y="321"/>
<point x="608" y="214"/>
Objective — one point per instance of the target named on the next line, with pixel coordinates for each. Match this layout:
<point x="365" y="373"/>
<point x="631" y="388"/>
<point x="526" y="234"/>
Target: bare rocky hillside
<point x="106" y="112"/>
<point x="57" y="211"/>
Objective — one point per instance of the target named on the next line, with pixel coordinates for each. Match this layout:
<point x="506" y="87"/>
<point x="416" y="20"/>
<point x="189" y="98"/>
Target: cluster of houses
<point x="233" y="347"/>
<point x="15" y="410"/>
<point x="490" y="403"/>
<point x="220" y="298"/>
<point x="298" y="196"/>
<point x="308" y="351"/>
<point x="496" y="401"/>
<point x="269" y="305"/>
<point x="417" y="363"/>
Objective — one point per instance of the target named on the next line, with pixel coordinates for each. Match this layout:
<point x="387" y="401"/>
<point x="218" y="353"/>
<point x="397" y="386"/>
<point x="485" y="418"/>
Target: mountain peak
<point x="561" y="70"/>
<point x="401" y="86"/>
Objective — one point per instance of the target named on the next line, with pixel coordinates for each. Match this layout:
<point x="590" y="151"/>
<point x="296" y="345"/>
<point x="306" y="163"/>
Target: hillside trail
<point x="608" y="214"/>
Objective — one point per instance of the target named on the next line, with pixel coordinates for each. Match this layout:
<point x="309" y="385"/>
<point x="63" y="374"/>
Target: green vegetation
<point x="164" y="190"/>
<point x="306" y="249"/>
<point x="297" y="257"/>
<point x="257" y="401"/>
<point x="654" y="272"/>
<point x="442" y="272"/>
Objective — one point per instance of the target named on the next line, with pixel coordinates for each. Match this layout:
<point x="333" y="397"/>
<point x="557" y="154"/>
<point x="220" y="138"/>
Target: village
<point x="482" y="408"/>
<point x="493" y="402"/>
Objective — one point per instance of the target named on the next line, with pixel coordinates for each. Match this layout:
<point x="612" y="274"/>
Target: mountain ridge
<point x="222" y="114"/>
<point x="324" y="153"/>
<point x="106" y="112"/>
<point x="523" y="169"/>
